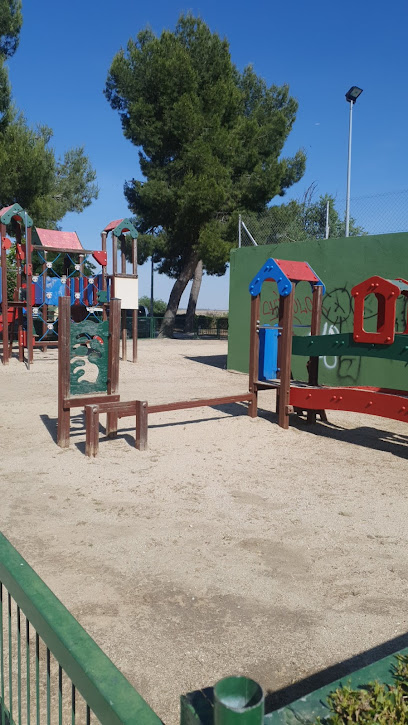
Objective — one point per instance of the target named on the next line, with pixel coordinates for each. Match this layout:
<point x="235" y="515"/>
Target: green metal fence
<point x="51" y="670"/>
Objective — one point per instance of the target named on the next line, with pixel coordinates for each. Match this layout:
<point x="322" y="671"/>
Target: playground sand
<point x="230" y="546"/>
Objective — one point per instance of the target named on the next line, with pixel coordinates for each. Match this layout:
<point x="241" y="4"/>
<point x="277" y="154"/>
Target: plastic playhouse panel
<point x="268" y="353"/>
<point x="127" y="290"/>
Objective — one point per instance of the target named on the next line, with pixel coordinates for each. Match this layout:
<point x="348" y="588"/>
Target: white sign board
<point x="127" y="290"/>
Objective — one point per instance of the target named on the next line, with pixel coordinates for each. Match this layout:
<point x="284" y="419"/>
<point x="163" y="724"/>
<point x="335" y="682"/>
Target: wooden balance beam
<point x="140" y="410"/>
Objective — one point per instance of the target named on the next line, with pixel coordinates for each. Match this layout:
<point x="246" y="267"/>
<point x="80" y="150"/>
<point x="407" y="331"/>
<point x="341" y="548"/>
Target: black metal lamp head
<point x="353" y="94"/>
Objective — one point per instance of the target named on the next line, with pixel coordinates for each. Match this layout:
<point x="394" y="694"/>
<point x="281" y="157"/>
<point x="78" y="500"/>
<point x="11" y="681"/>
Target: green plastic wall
<point x="340" y="263"/>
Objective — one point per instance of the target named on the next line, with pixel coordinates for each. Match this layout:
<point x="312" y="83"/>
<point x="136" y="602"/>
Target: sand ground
<point x="230" y="546"/>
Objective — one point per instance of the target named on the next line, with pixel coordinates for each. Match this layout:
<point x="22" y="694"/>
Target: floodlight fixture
<point x="353" y="94"/>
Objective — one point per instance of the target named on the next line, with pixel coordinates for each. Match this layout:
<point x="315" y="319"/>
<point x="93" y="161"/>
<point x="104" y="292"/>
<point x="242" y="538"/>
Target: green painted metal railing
<point x="41" y="646"/>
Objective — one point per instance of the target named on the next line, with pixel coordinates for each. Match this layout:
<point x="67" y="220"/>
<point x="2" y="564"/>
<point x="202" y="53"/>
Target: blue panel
<point x="268" y="353"/>
<point x="54" y="289"/>
<point x="1" y="298"/>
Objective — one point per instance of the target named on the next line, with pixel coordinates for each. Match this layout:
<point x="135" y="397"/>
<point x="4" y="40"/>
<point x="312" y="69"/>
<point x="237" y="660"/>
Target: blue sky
<point x="320" y="49"/>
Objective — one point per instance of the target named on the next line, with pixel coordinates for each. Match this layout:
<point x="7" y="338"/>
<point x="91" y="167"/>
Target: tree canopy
<point x="210" y="140"/>
<point x="30" y="173"/>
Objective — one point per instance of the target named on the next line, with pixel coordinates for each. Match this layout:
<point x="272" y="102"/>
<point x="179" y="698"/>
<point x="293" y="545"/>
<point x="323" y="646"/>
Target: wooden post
<point x="92" y="430"/>
<point x="135" y="313"/>
<point x="104" y="277"/>
<point x="254" y="356"/>
<point x="313" y="366"/>
<point x="4" y="300"/>
<point x="123" y="271"/>
<point x="64" y="324"/>
<point x="29" y="282"/>
<point x="141" y="425"/>
<point x="113" y="363"/>
<point x="280" y="325"/>
<point x="286" y="359"/>
<point x="44" y="304"/>
<point x="114" y="264"/>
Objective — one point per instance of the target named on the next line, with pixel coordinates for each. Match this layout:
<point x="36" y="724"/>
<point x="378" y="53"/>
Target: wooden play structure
<point x="271" y="350"/>
<point x="384" y="342"/>
<point x="51" y="264"/>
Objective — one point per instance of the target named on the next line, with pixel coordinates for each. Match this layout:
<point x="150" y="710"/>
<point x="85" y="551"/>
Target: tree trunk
<point x="179" y="286"/>
<point x="194" y="292"/>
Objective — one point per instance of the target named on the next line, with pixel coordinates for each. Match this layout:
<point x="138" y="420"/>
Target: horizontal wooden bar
<point x="40" y="248"/>
<point x="343" y="344"/>
<point x="199" y="403"/>
<point x="44" y="343"/>
<point x="353" y="400"/>
<point x="124" y="409"/>
<point x="83" y="400"/>
<point x="125" y="276"/>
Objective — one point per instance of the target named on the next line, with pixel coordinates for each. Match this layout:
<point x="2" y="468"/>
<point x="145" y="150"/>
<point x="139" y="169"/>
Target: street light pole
<point x="349" y="171"/>
<point x="351" y="97"/>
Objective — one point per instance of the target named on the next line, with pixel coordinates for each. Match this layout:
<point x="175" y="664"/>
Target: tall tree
<point x="30" y="173"/>
<point x="210" y="140"/>
<point x="11" y="21"/>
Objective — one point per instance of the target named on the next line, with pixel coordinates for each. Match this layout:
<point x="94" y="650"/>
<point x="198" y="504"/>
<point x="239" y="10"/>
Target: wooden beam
<point x="205" y="402"/>
<point x="286" y="359"/>
<point x="254" y="356"/>
<point x="113" y="362"/>
<point x="64" y="322"/>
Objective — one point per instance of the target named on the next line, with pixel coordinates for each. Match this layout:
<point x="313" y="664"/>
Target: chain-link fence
<point x="307" y="219"/>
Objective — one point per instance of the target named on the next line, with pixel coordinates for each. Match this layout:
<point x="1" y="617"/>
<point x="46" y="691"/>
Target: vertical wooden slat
<point x="123" y="271"/>
<point x="20" y="336"/>
<point x="254" y="356"/>
<point x="135" y="313"/>
<point x="92" y="430"/>
<point x="313" y="365"/>
<point x="4" y="305"/>
<point x="286" y="359"/>
<point x="114" y="263"/>
<point x="113" y="362"/>
<point x="280" y="325"/>
<point x="141" y="425"/>
<point x="64" y="324"/>
<point x="29" y="282"/>
<point x="44" y="307"/>
<point x="104" y="276"/>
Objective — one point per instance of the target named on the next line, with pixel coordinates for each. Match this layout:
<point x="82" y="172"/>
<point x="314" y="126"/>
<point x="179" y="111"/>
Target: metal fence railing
<point x="51" y="670"/>
<point x="308" y="219"/>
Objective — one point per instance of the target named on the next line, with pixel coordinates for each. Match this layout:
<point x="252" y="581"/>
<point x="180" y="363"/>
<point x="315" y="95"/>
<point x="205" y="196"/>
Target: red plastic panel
<point x="100" y="257"/>
<point x="59" y="240"/>
<point x="297" y="271"/>
<point x="386" y="293"/>
<point x="351" y="399"/>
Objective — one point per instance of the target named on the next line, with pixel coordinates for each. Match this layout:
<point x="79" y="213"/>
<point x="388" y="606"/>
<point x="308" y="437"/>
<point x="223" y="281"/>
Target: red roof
<point x="59" y="240"/>
<point x="112" y="225"/>
<point x="297" y="271"/>
<point x="4" y="209"/>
